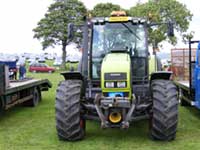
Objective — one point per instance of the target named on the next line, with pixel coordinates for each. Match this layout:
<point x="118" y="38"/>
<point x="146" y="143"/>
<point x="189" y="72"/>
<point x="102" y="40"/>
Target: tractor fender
<point x="165" y="75"/>
<point x="72" y="75"/>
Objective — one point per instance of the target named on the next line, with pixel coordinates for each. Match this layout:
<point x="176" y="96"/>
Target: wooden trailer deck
<point x="182" y="83"/>
<point x="20" y="85"/>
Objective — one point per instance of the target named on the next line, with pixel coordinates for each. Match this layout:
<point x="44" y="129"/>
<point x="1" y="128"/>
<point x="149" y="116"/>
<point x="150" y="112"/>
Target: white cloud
<point x="195" y="24"/>
<point x="19" y="17"/>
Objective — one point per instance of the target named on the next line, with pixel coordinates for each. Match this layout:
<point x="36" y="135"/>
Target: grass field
<point x="23" y="128"/>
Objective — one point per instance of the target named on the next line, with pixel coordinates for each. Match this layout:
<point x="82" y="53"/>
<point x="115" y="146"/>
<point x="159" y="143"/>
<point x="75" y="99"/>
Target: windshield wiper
<point x="131" y="31"/>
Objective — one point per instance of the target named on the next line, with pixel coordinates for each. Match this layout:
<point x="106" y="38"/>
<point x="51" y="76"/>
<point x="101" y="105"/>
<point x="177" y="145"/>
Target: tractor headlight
<point x="121" y="84"/>
<point x="109" y="85"/>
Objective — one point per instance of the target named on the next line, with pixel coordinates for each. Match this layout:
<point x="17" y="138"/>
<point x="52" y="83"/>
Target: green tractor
<point x="116" y="83"/>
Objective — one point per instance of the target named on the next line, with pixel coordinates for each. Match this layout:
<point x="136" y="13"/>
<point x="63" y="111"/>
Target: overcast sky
<point x="19" y="17"/>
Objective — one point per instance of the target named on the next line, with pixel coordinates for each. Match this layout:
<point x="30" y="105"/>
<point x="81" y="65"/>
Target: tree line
<point x="51" y="30"/>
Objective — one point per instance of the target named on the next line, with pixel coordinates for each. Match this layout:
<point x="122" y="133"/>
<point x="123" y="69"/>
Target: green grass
<point x="23" y="128"/>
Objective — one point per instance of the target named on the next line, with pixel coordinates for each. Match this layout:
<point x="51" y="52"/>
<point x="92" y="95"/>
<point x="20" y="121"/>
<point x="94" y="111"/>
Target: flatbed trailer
<point x="27" y="91"/>
<point x="189" y="91"/>
<point x="186" y="96"/>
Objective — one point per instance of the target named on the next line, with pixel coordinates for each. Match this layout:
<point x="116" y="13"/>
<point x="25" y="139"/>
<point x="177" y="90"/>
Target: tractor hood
<point x="115" y="70"/>
<point x="116" y="62"/>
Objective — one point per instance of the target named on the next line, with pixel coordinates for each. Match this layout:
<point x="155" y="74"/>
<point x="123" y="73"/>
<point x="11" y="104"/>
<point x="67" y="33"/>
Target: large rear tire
<point x="164" y="118"/>
<point x="69" y="124"/>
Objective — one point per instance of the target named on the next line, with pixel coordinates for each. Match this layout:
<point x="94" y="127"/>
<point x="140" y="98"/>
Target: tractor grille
<point x="115" y="76"/>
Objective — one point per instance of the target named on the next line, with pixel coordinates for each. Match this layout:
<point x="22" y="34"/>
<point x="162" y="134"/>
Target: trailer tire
<point x="164" y="118"/>
<point x="2" y="107"/>
<point x="69" y="124"/>
<point x="182" y="101"/>
<point x="35" y="100"/>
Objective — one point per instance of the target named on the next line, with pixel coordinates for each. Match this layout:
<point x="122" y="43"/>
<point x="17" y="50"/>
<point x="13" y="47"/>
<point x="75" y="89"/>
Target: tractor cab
<point x="120" y="34"/>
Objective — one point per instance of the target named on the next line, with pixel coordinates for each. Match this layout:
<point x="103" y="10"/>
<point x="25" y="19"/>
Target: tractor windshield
<point x="117" y="36"/>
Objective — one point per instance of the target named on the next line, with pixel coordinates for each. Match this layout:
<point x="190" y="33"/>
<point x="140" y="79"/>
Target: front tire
<point x="164" y="118"/>
<point x="69" y="124"/>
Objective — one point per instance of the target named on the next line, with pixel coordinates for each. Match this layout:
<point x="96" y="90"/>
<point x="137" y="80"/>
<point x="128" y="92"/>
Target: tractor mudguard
<point x="72" y="75"/>
<point x="165" y="75"/>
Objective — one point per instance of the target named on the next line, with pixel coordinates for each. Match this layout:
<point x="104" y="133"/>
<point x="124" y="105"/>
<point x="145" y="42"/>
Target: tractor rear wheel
<point x="164" y="118"/>
<point x="69" y="124"/>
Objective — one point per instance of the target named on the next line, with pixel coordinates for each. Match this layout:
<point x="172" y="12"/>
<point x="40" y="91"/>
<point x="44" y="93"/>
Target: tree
<point x="52" y="29"/>
<point x="104" y="9"/>
<point x="160" y="11"/>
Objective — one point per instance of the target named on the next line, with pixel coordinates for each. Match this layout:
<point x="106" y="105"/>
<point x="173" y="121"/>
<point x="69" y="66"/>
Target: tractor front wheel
<point x="164" y="117"/>
<point x="69" y="124"/>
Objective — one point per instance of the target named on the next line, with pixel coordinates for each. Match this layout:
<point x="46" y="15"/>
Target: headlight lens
<point x="109" y="84"/>
<point x="121" y="84"/>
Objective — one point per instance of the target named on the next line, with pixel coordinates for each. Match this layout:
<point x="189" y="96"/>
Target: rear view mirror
<point x="170" y="29"/>
<point x="70" y="31"/>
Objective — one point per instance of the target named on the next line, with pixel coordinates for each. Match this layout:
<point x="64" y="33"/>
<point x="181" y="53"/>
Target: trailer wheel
<point x="182" y="101"/>
<point x="36" y="97"/>
<point x="69" y="124"/>
<point x="35" y="100"/>
<point x="164" y="118"/>
<point x="1" y="106"/>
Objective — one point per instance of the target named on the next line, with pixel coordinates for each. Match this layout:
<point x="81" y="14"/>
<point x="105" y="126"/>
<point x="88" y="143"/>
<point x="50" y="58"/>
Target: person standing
<point x="22" y="71"/>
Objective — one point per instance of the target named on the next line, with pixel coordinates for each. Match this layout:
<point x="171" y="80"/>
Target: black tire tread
<point x="68" y="110"/>
<point x="35" y="100"/>
<point x="2" y="106"/>
<point x="165" y="110"/>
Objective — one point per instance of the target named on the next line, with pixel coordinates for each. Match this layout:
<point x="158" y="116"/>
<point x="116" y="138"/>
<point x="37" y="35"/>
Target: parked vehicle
<point x="12" y="67"/>
<point x="41" y="59"/>
<point x="74" y="56"/>
<point x="57" y="61"/>
<point x="31" y="60"/>
<point x="27" y="91"/>
<point x="189" y="88"/>
<point x="40" y="67"/>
